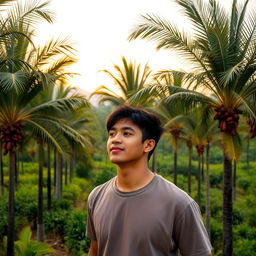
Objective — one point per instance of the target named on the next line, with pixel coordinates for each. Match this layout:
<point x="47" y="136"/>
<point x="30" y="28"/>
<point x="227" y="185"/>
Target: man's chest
<point x="138" y="218"/>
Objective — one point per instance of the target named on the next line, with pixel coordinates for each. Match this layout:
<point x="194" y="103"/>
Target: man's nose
<point x="117" y="138"/>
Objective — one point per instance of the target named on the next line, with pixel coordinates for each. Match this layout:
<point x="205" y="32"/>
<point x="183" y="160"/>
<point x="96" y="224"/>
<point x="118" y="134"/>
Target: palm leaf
<point x="14" y="81"/>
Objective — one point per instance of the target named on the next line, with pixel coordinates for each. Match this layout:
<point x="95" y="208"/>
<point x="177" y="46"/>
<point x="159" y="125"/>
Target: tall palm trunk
<point x="58" y="188"/>
<point x="202" y="167"/>
<point x="49" y="181"/>
<point x="54" y="169"/>
<point x="189" y="167"/>
<point x="71" y="169"/>
<point x="234" y="181"/>
<point x="40" y="224"/>
<point x="66" y="173"/>
<point x="208" y="202"/>
<point x="175" y="167"/>
<point x="175" y="156"/>
<point x="16" y="170"/>
<point x="199" y="180"/>
<point x="1" y="171"/>
<point x="11" y="221"/>
<point x="227" y="208"/>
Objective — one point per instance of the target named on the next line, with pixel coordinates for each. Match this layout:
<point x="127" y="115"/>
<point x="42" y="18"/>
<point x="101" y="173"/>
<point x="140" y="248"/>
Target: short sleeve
<point x="190" y="234"/>
<point x="90" y="230"/>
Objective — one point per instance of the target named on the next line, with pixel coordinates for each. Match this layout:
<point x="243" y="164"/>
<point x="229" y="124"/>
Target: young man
<point x="139" y="213"/>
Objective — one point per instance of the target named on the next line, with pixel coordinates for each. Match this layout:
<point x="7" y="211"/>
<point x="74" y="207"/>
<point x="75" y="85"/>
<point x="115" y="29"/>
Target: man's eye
<point x="111" y="134"/>
<point x="127" y="133"/>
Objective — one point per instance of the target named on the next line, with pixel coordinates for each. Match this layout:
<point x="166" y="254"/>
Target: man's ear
<point x="149" y="145"/>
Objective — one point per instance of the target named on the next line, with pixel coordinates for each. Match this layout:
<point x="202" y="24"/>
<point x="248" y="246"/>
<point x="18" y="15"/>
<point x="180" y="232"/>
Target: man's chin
<point x="117" y="161"/>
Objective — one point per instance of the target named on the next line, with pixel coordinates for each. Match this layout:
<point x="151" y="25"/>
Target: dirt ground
<point x="58" y="246"/>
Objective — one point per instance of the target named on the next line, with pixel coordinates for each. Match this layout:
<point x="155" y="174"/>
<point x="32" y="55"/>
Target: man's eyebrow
<point x="123" y="128"/>
<point x="128" y="128"/>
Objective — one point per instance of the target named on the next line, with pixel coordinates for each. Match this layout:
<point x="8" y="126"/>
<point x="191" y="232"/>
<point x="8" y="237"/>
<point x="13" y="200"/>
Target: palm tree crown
<point x="129" y="79"/>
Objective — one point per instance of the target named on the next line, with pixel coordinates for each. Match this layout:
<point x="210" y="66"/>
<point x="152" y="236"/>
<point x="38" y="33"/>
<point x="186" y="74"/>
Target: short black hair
<point x="149" y="123"/>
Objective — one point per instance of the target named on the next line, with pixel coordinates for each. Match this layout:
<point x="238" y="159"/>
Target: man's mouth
<point x="116" y="149"/>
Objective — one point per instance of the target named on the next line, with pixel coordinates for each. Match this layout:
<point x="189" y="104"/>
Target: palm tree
<point x="196" y="132"/>
<point x="170" y="114"/>
<point x="81" y="121"/>
<point x="202" y="131"/>
<point x="24" y="74"/>
<point x="222" y="53"/>
<point x="169" y="117"/>
<point x="12" y="28"/>
<point x="78" y="121"/>
<point x="67" y="134"/>
<point x="129" y="79"/>
<point x="1" y="171"/>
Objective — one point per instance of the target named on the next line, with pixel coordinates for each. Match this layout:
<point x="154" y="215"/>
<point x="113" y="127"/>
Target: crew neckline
<point x="134" y="192"/>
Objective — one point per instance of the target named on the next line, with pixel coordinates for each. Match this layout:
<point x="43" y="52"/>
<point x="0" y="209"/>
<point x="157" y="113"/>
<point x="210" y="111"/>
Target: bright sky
<point x="100" y="28"/>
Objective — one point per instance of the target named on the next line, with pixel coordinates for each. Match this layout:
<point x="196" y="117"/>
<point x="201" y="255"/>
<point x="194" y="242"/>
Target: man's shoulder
<point x="173" y="192"/>
<point x="99" y="190"/>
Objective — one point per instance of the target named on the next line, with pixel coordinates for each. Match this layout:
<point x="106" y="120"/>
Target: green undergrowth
<point x="68" y="219"/>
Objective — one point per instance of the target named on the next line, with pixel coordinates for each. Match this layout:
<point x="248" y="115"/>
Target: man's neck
<point x="130" y="177"/>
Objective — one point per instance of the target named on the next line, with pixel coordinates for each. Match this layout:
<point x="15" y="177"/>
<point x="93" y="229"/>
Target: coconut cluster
<point x="200" y="149"/>
<point x="175" y="132"/>
<point x="252" y="124"/>
<point x="11" y="135"/>
<point x="228" y="119"/>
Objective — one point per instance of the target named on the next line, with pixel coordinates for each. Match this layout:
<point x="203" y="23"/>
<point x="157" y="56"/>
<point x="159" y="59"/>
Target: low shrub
<point x="3" y="221"/>
<point x="215" y="179"/>
<point x="238" y="216"/>
<point x="216" y="202"/>
<point x="103" y="176"/>
<point x="83" y="170"/>
<point x="55" y="222"/>
<point x="71" y="192"/>
<point x="244" y="182"/>
<point x="216" y="234"/>
<point x="244" y="247"/>
<point x="62" y="204"/>
<point x="84" y="184"/>
<point x="75" y="238"/>
<point x="252" y="217"/>
<point x="244" y="231"/>
<point x="250" y="201"/>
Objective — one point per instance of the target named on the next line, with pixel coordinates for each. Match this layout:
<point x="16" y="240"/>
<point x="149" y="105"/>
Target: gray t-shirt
<point x="155" y="220"/>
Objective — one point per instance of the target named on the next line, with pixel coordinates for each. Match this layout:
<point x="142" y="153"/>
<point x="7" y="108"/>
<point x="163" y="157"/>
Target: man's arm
<point x="191" y="234"/>
<point x="93" y="248"/>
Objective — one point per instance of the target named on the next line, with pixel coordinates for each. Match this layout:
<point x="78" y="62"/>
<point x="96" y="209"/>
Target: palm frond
<point x="60" y="106"/>
<point x="180" y="119"/>
<point x="113" y="100"/>
<point x="30" y="12"/>
<point x="103" y="90"/>
<point x="14" y="81"/>
<point x="188" y="100"/>
<point x="52" y="50"/>
<point x="148" y="93"/>
<point x="191" y="10"/>
<point x="41" y="131"/>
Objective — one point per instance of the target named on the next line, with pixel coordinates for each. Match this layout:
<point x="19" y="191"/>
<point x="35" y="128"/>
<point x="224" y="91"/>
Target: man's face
<point x="125" y="142"/>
